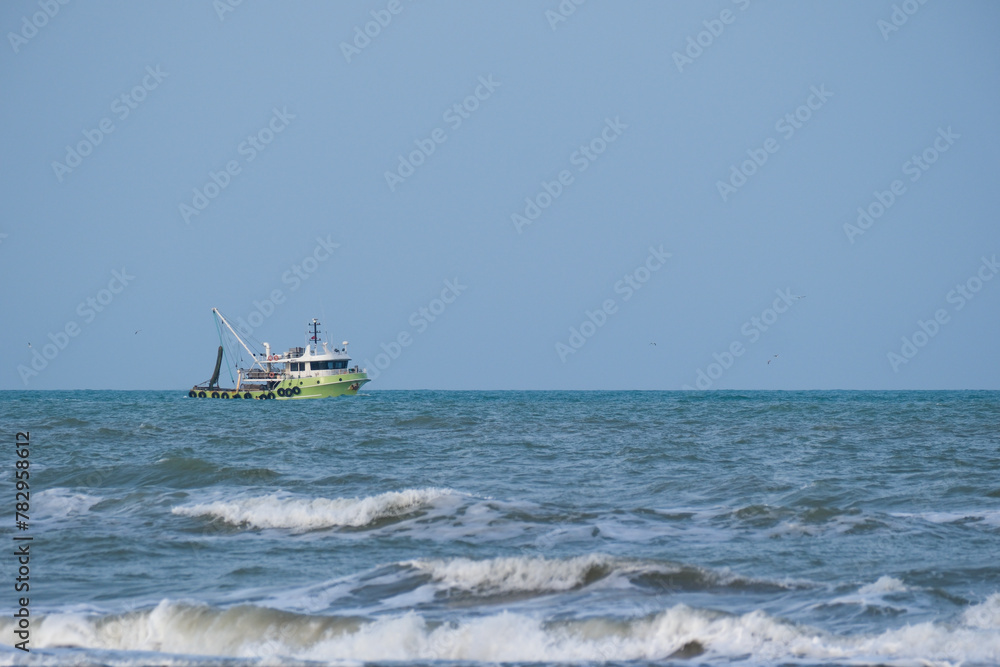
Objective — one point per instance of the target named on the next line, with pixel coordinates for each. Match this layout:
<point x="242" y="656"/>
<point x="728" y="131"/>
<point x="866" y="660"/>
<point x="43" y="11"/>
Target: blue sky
<point x="530" y="194"/>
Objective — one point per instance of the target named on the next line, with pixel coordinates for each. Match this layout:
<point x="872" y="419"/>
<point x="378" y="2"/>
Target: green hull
<point x="347" y="384"/>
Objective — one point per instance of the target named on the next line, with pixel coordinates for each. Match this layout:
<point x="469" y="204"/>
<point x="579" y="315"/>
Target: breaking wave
<point x="301" y="514"/>
<point x="516" y="574"/>
<point x="420" y="584"/>
<point x="61" y="503"/>
<point x="537" y="574"/>
<point x="884" y="584"/>
<point x="248" y="631"/>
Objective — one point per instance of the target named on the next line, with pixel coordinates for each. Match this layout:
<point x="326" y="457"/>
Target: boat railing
<point x="279" y="374"/>
<point x="336" y="371"/>
<point x="262" y="375"/>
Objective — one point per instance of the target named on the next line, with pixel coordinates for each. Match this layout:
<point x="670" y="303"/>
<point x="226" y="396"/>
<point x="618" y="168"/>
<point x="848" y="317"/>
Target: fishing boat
<point x="312" y="371"/>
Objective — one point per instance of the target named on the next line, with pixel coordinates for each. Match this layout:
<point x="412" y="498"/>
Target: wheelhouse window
<point x="341" y="363"/>
<point x="321" y="365"/>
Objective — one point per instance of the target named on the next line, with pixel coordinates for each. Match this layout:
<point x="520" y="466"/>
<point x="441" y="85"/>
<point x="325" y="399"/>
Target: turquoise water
<point x="543" y="527"/>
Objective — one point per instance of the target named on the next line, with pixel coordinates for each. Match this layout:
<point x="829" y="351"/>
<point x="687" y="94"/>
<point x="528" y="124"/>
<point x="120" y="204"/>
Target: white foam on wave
<point x="178" y="628"/>
<point x="483" y="519"/>
<point x="985" y="615"/>
<point x="525" y="574"/>
<point x="61" y="503"/>
<point x="255" y="632"/>
<point x="496" y="576"/>
<point x="296" y="513"/>
<point x="988" y="517"/>
<point x="884" y="584"/>
<point x="342" y="594"/>
<point x="872" y="595"/>
<point x="521" y="576"/>
<point x="517" y="573"/>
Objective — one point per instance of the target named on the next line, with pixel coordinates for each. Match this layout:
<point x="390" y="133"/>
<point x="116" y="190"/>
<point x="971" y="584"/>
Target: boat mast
<point x="249" y="351"/>
<point x="315" y="336"/>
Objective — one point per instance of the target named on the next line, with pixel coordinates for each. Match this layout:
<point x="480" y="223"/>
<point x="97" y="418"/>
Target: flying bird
<point x="772" y="358"/>
<point x="138" y="330"/>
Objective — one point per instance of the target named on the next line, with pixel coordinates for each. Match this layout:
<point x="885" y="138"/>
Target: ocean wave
<point x="301" y="514"/>
<point x="988" y="517"/>
<point x="985" y="615"/>
<point x="884" y="584"/>
<point x="537" y="574"/>
<point x="248" y="631"/>
<point x="518" y="574"/>
<point x="58" y="422"/>
<point x="418" y="582"/>
<point x="873" y="595"/>
<point x="413" y="584"/>
<point x="61" y="503"/>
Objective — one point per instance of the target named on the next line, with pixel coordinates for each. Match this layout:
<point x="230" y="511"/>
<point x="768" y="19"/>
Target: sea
<point x="516" y="527"/>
